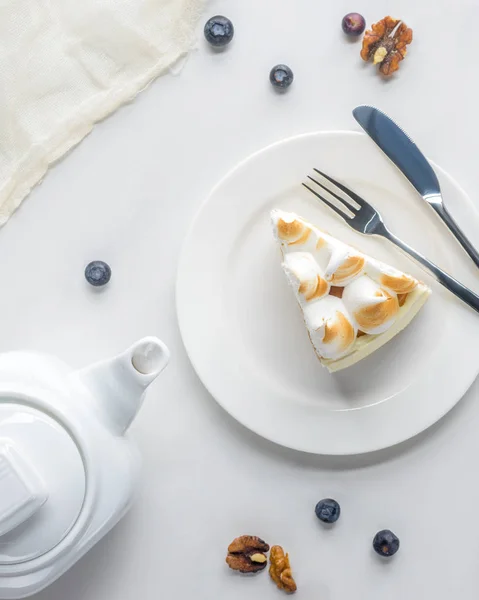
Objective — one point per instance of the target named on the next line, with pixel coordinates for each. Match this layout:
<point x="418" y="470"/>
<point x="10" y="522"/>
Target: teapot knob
<point x="149" y="356"/>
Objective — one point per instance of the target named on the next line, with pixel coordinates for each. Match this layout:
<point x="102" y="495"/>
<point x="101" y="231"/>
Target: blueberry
<point x="386" y="543"/>
<point x="97" y="273"/>
<point x="219" y="31"/>
<point x="281" y="77"/>
<point x="327" y="510"/>
<point x="353" y="24"/>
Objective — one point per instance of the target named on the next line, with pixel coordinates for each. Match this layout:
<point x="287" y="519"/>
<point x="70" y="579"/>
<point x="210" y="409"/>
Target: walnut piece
<point x="280" y="570"/>
<point x="385" y="44"/>
<point x="247" y="554"/>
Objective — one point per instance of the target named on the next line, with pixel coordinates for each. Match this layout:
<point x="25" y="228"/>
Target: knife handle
<point x="457" y="232"/>
<point x="456" y="288"/>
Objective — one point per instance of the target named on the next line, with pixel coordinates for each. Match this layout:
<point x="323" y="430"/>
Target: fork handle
<point x="456" y="288"/>
<point x="457" y="232"/>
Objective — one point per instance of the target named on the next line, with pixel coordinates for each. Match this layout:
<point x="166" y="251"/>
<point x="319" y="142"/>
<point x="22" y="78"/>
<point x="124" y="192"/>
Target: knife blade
<point x="404" y="153"/>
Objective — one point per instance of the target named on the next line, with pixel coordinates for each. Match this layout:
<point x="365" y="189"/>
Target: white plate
<point x="244" y="333"/>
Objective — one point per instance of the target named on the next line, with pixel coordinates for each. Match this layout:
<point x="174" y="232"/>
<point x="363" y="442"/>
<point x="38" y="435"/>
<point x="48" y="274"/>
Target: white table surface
<point x="126" y="195"/>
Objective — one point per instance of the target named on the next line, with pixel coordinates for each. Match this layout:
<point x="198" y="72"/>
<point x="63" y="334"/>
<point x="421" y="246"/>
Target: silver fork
<point x="362" y="217"/>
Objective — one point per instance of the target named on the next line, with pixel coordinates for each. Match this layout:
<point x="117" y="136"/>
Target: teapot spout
<point x="119" y="384"/>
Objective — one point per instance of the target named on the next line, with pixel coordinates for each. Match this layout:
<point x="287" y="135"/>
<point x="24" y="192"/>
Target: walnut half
<point x="280" y="570"/>
<point x="385" y="44"/>
<point x="246" y="554"/>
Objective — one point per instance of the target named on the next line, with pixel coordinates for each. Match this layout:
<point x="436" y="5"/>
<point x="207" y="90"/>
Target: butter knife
<point x="407" y="157"/>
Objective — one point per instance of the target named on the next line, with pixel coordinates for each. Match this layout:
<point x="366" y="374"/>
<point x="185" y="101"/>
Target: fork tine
<point x="343" y="201"/>
<point x="330" y="204"/>
<point x="343" y="188"/>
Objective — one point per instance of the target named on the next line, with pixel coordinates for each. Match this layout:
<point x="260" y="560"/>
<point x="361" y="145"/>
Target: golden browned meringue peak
<point x="373" y="308"/>
<point x="312" y="289"/>
<point x="293" y="232"/>
<point x="305" y="275"/>
<point x="390" y="278"/>
<point x="331" y="330"/>
<point x="339" y="331"/>
<point x="372" y="316"/>
<point x="321" y="243"/>
<point x="352" y="266"/>
<point x="402" y="284"/>
<point x="352" y="304"/>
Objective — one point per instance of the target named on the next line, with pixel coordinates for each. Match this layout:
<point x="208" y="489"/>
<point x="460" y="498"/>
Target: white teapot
<point x="67" y="470"/>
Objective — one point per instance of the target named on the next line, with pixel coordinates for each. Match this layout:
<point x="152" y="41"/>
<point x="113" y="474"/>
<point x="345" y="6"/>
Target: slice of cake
<point x="352" y="304"/>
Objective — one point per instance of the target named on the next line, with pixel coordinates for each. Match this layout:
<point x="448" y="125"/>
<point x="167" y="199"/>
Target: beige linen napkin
<point x="65" y="64"/>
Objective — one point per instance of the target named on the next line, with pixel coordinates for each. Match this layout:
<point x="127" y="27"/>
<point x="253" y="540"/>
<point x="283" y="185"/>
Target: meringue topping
<point x="339" y="330"/>
<point x="344" y="264"/>
<point x="331" y="329"/>
<point x="352" y="304"/>
<point x="320" y="243"/>
<point x="401" y="285"/>
<point x="373" y="308"/>
<point x="310" y="281"/>
<point x="293" y="232"/>
<point x="347" y="270"/>
<point x="391" y="278"/>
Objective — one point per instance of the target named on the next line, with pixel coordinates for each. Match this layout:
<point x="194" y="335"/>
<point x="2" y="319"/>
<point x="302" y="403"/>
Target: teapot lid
<point x="42" y="483"/>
